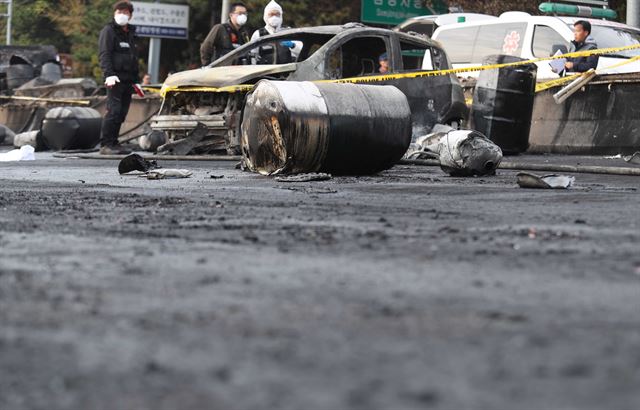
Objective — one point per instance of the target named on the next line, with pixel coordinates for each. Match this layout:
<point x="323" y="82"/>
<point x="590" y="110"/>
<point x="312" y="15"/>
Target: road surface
<point x="406" y="290"/>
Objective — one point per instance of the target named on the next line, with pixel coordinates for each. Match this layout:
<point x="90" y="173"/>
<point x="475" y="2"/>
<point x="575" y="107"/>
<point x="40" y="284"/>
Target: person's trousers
<point x="118" y="101"/>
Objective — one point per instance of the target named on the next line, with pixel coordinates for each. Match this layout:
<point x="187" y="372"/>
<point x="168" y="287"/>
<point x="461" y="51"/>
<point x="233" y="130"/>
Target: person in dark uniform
<point x="225" y="37"/>
<point x="119" y="63"/>
<point x="582" y="30"/>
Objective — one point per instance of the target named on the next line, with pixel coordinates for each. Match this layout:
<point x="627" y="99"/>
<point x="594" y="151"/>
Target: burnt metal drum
<point x="503" y="103"/>
<point x="71" y="128"/>
<point x="344" y="129"/>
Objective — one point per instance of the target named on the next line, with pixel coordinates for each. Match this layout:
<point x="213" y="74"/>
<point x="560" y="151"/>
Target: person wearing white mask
<point x="272" y="17"/>
<point x="119" y="63"/>
<point x="225" y="37"/>
<point x="286" y="50"/>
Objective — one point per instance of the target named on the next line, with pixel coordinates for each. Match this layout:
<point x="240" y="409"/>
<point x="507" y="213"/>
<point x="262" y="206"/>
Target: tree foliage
<point x="81" y="22"/>
<point x="33" y="25"/>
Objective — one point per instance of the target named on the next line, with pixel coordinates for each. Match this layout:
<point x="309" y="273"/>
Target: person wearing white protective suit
<point x="287" y="51"/>
<point x="119" y="64"/>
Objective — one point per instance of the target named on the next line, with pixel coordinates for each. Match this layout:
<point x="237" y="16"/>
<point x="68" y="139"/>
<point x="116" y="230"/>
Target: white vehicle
<point x="428" y="24"/>
<point x="523" y="35"/>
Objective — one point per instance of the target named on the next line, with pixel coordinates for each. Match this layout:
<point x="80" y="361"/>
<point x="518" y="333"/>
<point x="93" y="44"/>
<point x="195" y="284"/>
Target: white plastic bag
<point x="167" y="173"/>
<point x="25" y="153"/>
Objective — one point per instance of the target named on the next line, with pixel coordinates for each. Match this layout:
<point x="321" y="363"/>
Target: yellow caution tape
<point x="556" y="82"/>
<point x="563" y="80"/>
<point x="153" y="90"/>
<point x="420" y="74"/>
<point x="225" y="89"/>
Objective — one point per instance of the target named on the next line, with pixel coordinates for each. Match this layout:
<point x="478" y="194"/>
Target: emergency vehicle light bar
<point x="582" y="11"/>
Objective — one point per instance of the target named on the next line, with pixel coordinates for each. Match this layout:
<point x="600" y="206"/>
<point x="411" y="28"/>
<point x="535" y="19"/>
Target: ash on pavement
<point x="408" y="289"/>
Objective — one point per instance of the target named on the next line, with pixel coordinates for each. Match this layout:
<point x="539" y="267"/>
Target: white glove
<point x="111" y="81"/>
<point x="138" y="89"/>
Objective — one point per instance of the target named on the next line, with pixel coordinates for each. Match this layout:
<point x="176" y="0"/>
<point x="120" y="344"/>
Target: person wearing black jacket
<point x="119" y="63"/>
<point x="582" y="30"/>
<point x="225" y="37"/>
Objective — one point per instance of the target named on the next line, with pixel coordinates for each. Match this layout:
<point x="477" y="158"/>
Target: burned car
<point x="214" y="95"/>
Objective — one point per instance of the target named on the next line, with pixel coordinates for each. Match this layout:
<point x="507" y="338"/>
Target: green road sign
<point x="396" y="11"/>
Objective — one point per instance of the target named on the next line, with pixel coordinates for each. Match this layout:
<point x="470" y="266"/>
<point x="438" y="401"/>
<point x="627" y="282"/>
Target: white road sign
<point x="161" y="20"/>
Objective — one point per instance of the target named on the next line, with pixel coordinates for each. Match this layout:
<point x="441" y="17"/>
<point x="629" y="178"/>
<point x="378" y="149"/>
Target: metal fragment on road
<point x="311" y="190"/>
<point x="185" y="145"/>
<point x="551" y="181"/>
<point x="633" y="159"/>
<point x="468" y="153"/>
<point x="152" y="140"/>
<point x="168" y="173"/>
<point x="460" y="152"/>
<point x="574" y="86"/>
<point x="312" y="176"/>
<point x="428" y="146"/>
<point x="135" y="162"/>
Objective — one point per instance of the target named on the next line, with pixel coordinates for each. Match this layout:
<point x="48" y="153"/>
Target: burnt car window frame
<point x="426" y="27"/>
<point x="304" y="55"/>
<point x="386" y="39"/>
<point x="426" y="47"/>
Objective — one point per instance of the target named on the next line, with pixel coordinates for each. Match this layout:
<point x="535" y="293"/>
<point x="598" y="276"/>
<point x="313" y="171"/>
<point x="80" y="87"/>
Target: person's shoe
<point x="114" y="150"/>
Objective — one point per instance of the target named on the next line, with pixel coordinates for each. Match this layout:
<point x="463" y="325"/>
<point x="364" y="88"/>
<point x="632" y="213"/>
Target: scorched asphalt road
<point x="404" y="290"/>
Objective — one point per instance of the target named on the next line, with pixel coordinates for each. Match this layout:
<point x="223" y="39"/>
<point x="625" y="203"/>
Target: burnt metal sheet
<point x="224" y="76"/>
<point x="551" y="181"/>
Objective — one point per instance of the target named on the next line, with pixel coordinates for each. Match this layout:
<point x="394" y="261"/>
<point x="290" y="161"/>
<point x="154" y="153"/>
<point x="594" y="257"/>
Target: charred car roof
<point x="333" y="30"/>
<point x="345" y="28"/>
<point x="219" y="74"/>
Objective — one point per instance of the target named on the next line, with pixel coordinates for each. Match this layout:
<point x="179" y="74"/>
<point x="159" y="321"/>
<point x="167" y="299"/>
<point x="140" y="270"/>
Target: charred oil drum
<point x="6" y="135"/>
<point x="18" y="74"/>
<point x="3" y="77"/>
<point x="71" y="128"/>
<point x="344" y="129"/>
<point x="503" y="103"/>
<point x="51" y="72"/>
